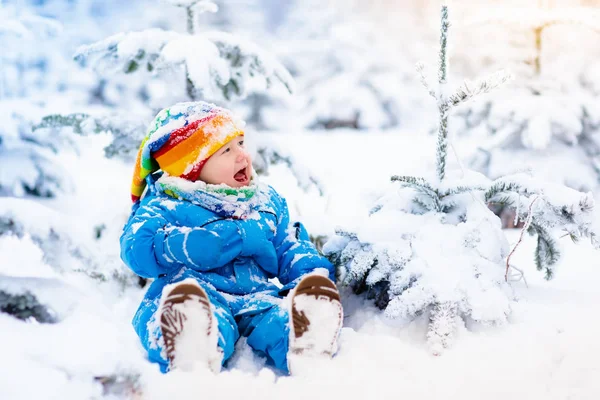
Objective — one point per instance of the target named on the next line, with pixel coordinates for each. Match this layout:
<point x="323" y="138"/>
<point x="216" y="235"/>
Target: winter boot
<point x="315" y="320"/>
<point x="189" y="328"/>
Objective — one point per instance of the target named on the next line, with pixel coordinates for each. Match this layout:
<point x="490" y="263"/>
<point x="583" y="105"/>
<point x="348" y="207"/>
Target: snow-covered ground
<point x="548" y="351"/>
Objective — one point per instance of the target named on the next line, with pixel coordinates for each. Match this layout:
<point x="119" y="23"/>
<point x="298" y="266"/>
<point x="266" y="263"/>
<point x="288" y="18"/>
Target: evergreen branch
<point x="413" y="181"/>
<point x="26" y="306"/>
<point x="421" y="71"/>
<point x="422" y="204"/>
<point x="59" y="121"/>
<point x="421" y="185"/>
<point x="503" y="186"/>
<point x="546" y="252"/>
<point x="468" y="89"/>
<point x="126" y="135"/>
<point x="461" y="189"/>
<point x="505" y="201"/>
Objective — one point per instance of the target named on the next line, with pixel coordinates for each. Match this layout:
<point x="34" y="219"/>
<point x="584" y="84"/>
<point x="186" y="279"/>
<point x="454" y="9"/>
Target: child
<point x="212" y="238"/>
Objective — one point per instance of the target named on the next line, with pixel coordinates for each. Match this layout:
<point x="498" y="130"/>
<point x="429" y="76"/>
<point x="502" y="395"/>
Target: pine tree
<point x="433" y="249"/>
<point x="216" y="66"/>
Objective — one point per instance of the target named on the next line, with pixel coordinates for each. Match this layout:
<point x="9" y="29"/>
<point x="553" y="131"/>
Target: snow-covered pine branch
<point x="468" y="89"/>
<point x="559" y="208"/>
<point x="25" y="306"/>
<point x="60" y="241"/>
<point x="220" y="66"/>
<point x="126" y="132"/>
<point x="251" y="69"/>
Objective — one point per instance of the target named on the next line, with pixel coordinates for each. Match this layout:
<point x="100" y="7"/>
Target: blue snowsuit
<point x="232" y="258"/>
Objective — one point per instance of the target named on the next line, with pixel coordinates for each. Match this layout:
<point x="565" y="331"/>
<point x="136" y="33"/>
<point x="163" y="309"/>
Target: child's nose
<point x="241" y="154"/>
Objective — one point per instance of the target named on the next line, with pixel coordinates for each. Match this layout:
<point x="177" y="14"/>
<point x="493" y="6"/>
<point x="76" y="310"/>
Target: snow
<point x="546" y="351"/>
<point x="352" y="66"/>
<point x="548" y="347"/>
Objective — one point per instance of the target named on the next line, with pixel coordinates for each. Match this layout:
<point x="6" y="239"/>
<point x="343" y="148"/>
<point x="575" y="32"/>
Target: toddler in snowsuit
<point x="212" y="238"/>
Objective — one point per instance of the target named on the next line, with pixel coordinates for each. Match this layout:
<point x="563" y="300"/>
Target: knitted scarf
<point x="221" y="199"/>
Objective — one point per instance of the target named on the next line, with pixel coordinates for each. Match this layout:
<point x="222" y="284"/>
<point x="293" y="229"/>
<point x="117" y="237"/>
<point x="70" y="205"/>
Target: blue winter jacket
<point x="165" y="237"/>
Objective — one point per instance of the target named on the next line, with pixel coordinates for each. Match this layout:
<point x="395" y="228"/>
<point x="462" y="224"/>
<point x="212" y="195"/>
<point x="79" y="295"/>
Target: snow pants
<point x="258" y="316"/>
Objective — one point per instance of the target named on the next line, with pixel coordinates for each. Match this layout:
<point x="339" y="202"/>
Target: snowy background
<point x="77" y="90"/>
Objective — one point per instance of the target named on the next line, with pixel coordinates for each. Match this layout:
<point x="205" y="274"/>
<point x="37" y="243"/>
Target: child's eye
<point x="226" y="150"/>
<point x="241" y="143"/>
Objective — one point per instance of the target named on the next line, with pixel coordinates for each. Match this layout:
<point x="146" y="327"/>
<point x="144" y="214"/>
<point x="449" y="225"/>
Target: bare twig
<point x="527" y="223"/>
<point x="421" y="71"/>
<point x="520" y="276"/>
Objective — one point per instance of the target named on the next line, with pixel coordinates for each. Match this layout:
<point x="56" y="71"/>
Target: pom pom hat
<point x="181" y="139"/>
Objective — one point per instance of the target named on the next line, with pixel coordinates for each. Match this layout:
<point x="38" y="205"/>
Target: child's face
<point x="231" y="165"/>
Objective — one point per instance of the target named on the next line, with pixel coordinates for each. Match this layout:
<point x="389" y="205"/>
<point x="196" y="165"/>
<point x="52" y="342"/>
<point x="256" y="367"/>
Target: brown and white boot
<point x="316" y="319"/>
<point x="188" y="326"/>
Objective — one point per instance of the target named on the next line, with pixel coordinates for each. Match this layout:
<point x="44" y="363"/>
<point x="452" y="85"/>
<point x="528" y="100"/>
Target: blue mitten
<point x="256" y="243"/>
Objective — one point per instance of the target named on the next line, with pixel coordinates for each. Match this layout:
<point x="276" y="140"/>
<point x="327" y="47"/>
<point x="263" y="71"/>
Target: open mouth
<point x="243" y="175"/>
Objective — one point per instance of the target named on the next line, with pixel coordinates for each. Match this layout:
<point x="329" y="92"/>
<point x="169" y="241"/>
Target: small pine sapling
<point x="433" y="248"/>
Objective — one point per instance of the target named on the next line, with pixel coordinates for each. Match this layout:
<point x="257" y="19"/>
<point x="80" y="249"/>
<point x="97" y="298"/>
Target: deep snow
<point x="547" y="351"/>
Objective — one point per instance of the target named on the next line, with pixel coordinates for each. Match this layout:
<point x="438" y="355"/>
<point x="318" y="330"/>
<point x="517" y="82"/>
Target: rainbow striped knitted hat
<point x="180" y="140"/>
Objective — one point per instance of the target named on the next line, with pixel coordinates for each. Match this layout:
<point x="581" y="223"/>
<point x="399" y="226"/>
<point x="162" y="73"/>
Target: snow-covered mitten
<point x="315" y="320"/>
<point x="189" y="327"/>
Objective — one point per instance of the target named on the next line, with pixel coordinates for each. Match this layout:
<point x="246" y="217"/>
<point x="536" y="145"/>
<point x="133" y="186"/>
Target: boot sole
<point x="186" y="305"/>
<point x="322" y="340"/>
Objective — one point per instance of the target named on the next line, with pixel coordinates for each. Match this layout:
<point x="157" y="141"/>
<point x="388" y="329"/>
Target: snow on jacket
<point x="165" y="237"/>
